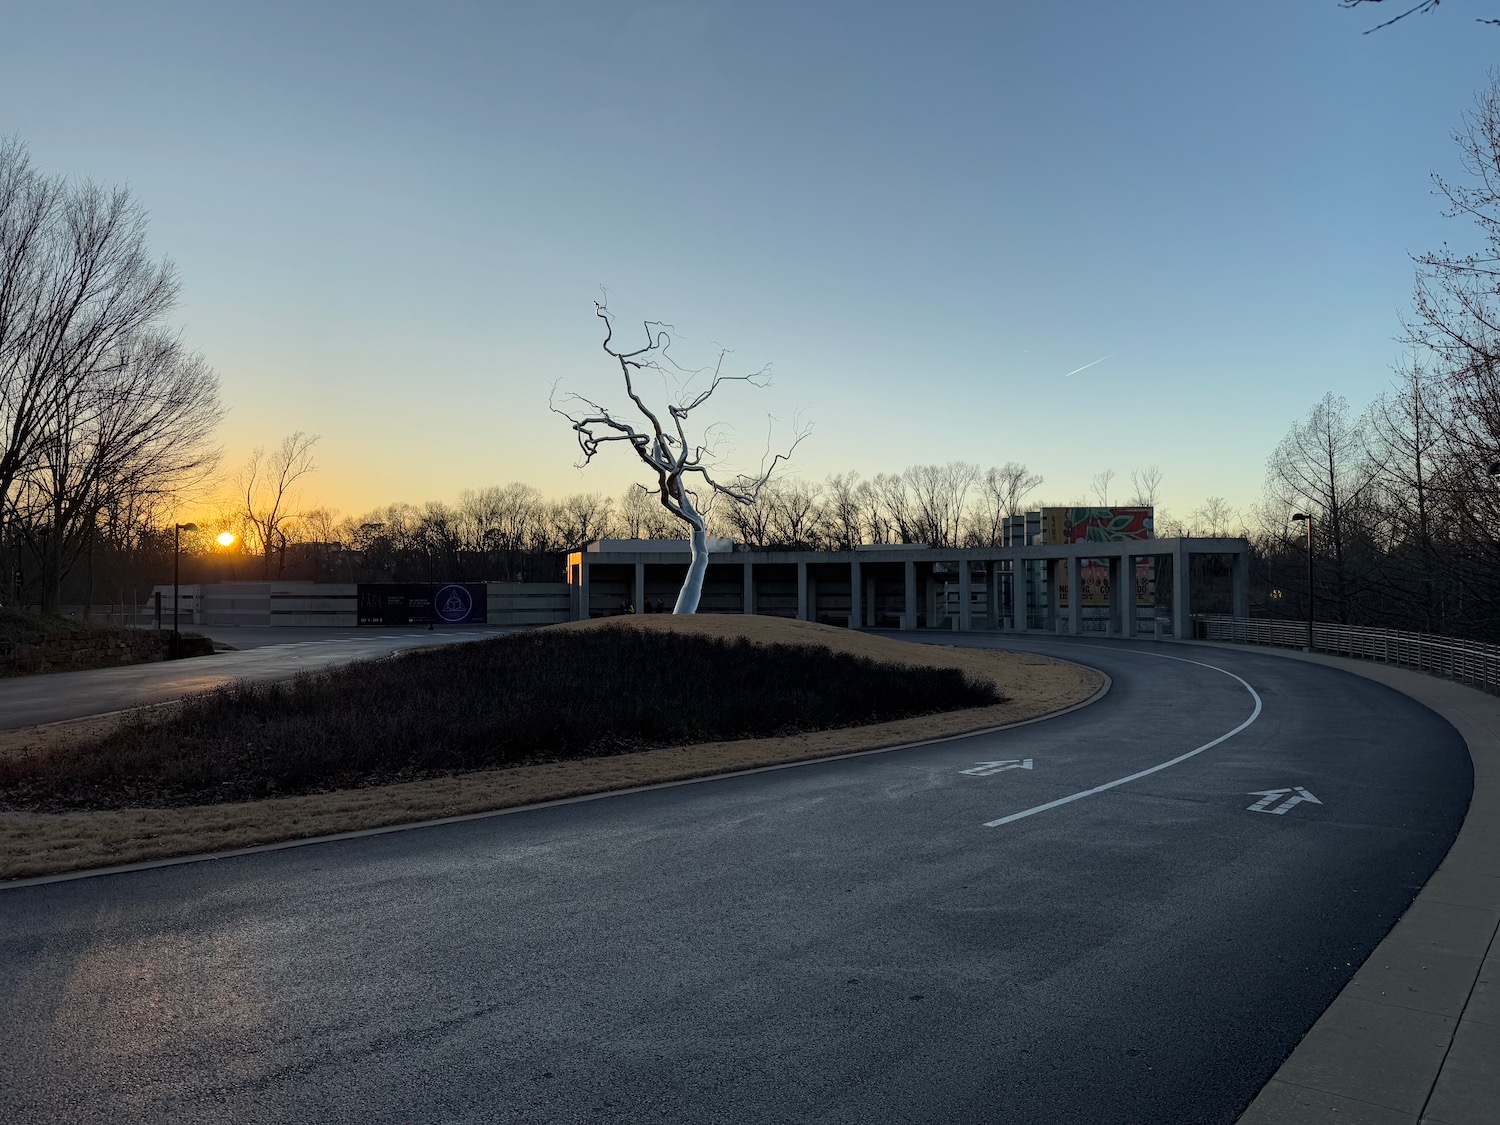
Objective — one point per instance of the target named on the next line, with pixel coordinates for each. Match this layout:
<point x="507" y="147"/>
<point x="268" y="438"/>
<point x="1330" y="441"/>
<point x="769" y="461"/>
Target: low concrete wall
<point x="527" y="603"/>
<point x="337" y="604"/>
<point x="279" y="603"/>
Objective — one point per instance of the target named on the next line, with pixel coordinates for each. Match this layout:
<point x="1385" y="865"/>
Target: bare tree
<point x="1457" y="326"/>
<point x="749" y="524"/>
<point x="76" y="287"/>
<point x="267" y="488"/>
<point x="139" y="426"/>
<point x="642" y="517"/>
<point x="795" y="511"/>
<point x="1419" y="8"/>
<point x="894" y="508"/>
<point x="1012" y="482"/>
<point x="873" y="517"/>
<point x="843" y="511"/>
<point x="1003" y="493"/>
<point x="1100" y="486"/>
<point x="1145" y="486"/>
<point x="322" y="542"/>
<point x="577" y="520"/>
<point x="1213" y="517"/>
<point x="1321" y="467"/>
<point x="663" y="445"/>
<point x="938" y="496"/>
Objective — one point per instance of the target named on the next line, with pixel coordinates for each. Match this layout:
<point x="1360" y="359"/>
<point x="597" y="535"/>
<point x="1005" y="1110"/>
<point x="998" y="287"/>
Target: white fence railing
<point x="1472" y="662"/>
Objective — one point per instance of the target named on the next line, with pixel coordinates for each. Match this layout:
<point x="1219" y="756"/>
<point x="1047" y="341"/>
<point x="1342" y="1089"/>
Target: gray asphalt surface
<point x="268" y="654"/>
<point x="840" y="942"/>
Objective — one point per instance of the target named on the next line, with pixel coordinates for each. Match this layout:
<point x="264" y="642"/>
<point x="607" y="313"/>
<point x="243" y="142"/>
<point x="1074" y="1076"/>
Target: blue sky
<point x="392" y="220"/>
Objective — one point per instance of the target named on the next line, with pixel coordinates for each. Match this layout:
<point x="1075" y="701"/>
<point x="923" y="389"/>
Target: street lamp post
<point x="1306" y="518"/>
<point x="177" y="530"/>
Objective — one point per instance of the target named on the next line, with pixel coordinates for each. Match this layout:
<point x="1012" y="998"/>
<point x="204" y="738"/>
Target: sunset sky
<point x="391" y="220"/>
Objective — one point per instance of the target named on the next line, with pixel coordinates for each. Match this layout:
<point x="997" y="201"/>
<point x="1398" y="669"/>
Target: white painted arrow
<point x="1269" y="797"/>
<point x="984" y="769"/>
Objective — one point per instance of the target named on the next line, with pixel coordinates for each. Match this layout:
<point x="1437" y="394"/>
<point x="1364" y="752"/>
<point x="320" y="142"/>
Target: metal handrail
<point x="1471" y="662"/>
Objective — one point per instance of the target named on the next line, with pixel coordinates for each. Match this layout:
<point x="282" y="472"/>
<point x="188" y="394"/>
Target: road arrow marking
<point x="1269" y="797"/>
<point x="984" y="769"/>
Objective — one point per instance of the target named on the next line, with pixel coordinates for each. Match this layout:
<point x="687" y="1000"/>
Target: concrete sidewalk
<point x="1415" y="1036"/>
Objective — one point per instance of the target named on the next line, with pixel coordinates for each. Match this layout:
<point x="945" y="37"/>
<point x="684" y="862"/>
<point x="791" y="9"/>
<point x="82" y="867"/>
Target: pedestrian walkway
<point x="1415" y="1036"/>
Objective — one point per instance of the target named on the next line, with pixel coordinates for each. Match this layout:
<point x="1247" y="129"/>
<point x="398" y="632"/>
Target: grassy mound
<point x="32" y="643"/>
<point x="546" y="696"/>
<point x="20" y="626"/>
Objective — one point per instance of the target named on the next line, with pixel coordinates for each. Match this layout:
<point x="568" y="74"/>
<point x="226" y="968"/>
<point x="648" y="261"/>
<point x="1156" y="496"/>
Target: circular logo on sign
<point x="454" y="603"/>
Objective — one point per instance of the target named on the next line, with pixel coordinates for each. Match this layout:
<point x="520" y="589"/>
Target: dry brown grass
<point x="46" y="843"/>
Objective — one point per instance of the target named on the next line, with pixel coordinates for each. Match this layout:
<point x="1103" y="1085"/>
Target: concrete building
<point x="1010" y="588"/>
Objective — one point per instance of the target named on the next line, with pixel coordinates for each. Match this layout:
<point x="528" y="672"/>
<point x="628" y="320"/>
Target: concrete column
<point x="1127" y="604"/>
<point x="1112" y="576"/>
<point x="929" y="596"/>
<point x="869" y="596"/>
<point x="856" y="594"/>
<point x="965" y="597"/>
<point x="1075" y="596"/>
<point x="909" y="613"/>
<point x="1242" y="585"/>
<point x="1018" y="594"/>
<point x="992" y="595"/>
<point x="749" y="587"/>
<point x="802" y="591"/>
<point x="583" y="588"/>
<point x="1052" y="568"/>
<point x="1182" y="628"/>
<point x="640" y="588"/>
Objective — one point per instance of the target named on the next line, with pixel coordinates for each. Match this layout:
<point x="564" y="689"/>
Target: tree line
<point x="514" y="532"/>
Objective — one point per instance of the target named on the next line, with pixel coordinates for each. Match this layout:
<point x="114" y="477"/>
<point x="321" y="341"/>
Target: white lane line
<point x="1154" y="769"/>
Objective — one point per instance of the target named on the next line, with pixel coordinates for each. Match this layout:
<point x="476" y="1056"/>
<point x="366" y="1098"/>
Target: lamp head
<point x="187" y="527"/>
<point x="1299" y="517"/>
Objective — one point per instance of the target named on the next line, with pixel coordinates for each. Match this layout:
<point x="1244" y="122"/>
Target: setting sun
<point x="225" y="538"/>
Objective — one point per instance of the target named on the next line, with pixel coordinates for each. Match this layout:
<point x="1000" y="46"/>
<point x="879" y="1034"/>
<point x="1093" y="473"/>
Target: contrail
<point x="1086" y="366"/>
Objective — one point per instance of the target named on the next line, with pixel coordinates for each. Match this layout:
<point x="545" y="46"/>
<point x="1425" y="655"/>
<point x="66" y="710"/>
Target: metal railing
<point x="1471" y="662"/>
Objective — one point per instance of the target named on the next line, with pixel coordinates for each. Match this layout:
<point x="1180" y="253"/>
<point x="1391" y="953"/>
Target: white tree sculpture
<point x="665" y="448"/>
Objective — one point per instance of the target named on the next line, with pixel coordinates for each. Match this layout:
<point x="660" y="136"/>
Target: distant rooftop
<point x="657" y="546"/>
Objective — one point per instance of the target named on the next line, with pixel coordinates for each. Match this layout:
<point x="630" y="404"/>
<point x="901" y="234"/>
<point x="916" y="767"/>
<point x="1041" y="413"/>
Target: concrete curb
<point x="1414" y="1038"/>
<point x="307" y="841"/>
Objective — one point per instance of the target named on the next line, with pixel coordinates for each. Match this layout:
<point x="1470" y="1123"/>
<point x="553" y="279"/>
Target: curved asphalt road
<point x="838" y="942"/>
<point x="29" y="700"/>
